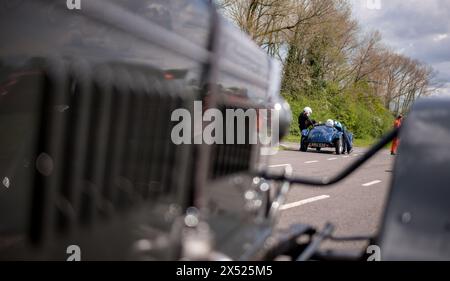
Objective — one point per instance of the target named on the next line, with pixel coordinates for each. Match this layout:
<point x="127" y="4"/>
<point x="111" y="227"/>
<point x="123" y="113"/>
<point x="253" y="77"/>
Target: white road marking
<point x="372" y="183"/>
<point x="355" y="155"/>
<point x="281" y="165"/>
<point x="287" y="168"/>
<point x="332" y="159"/>
<point x="345" y="156"/>
<point x="303" y="202"/>
<point x="311" y="162"/>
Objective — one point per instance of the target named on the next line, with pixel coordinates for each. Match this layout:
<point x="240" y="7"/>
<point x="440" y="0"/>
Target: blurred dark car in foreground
<point x="85" y="110"/>
<point x="87" y="160"/>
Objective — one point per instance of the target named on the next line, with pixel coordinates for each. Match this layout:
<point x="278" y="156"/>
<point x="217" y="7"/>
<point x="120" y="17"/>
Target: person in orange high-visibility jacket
<point x="397" y="124"/>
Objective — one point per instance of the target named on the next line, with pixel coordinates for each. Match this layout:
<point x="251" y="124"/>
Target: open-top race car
<point x="324" y="136"/>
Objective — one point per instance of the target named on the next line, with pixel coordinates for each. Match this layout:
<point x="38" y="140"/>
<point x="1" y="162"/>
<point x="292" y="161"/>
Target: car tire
<point x="339" y="146"/>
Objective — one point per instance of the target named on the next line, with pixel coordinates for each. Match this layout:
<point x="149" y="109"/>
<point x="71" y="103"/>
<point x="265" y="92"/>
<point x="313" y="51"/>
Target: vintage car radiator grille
<point x="228" y="159"/>
<point x="103" y="144"/>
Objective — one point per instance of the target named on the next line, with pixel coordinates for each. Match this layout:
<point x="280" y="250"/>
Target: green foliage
<point x="363" y="114"/>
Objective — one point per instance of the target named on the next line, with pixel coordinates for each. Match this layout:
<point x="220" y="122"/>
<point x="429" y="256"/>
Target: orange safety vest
<point x="396" y="141"/>
<point x="398" y="123"/>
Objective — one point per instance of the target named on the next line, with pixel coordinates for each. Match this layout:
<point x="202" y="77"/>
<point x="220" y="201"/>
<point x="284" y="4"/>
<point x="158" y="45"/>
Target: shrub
<point x="363" y="114"/>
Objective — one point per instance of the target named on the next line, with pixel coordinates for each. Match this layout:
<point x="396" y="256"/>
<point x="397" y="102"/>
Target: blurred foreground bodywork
<point x="87" y="159"/>
<point x="416" y="225"/>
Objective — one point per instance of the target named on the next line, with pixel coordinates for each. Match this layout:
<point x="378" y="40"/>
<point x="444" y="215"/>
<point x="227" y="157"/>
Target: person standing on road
<point x="347" y="139"/>
<point x="304" y="121"/>
<point x="395" y="143"/>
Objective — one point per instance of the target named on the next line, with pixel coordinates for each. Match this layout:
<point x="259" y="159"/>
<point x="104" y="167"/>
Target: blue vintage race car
<point x="322" y="136"/>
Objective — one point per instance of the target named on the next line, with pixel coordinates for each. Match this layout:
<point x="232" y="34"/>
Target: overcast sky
<point x="417" y="28"/>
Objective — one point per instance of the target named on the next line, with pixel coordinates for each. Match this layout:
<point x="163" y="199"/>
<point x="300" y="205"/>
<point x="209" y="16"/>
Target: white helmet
<point x="330" y="123"/>
<point x="308" y="110"/>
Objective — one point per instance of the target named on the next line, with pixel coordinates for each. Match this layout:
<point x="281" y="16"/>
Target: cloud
<point x="416" y="28"/>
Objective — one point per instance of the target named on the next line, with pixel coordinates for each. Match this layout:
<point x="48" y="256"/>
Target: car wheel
<point x="304" y="146"/>
<point x="339" y="145"/>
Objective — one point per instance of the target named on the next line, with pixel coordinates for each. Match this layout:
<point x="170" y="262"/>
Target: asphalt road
<point x="355" y="206"/>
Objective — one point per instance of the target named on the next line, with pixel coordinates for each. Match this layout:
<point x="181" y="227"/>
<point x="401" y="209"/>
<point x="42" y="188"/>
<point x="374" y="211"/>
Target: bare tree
<point x="319" y="43"/>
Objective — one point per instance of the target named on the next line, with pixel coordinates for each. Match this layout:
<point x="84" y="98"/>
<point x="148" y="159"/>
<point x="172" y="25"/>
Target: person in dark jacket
<point x="304" y="122"/>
